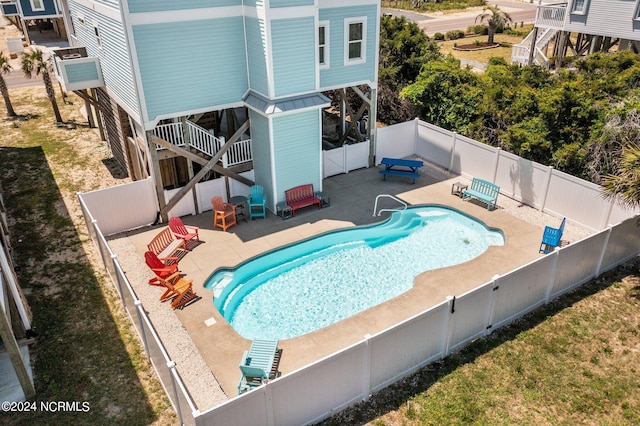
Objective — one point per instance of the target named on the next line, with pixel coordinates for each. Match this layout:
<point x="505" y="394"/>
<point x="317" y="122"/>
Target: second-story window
<point x="323" y="44"/>
<point x="355" y="37"/>
<point x="579" y="7"/>
<point x="97" y="32"/>
<point x="37" y="5"/>
<point x="636" y="12"/>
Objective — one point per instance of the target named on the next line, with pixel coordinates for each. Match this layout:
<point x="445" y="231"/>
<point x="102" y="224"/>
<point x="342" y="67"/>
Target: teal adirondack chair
<point x="257" y="202"/>
<point x="551" y="238"/>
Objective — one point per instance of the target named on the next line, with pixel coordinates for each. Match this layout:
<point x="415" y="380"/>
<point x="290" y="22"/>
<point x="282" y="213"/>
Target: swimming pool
<point x="317" y="282"/>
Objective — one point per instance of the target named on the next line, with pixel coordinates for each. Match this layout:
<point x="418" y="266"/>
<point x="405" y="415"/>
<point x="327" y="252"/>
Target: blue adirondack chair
<point x="258" y="364"/>
<point x="257" y="202"/>
<point x="551" y="237"/>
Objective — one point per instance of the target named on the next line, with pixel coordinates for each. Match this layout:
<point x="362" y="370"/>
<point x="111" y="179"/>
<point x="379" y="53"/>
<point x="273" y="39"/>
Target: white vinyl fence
<point x="346" y="158"/>
<point x="534" y="184"/>
<point x="319" y="390"/>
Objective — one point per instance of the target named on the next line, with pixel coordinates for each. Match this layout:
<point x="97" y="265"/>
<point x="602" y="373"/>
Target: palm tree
<point x="626" y="182"/>
<point x="495" y="18"/>
<point x="5" y="68"/>
<point x="34" y="63"/>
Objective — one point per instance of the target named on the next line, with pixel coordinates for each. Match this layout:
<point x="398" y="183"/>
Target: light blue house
<point x="186" y="75"/>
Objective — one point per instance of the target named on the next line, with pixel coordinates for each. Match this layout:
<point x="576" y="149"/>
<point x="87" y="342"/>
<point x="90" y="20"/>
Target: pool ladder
<point x="375" y="206"/>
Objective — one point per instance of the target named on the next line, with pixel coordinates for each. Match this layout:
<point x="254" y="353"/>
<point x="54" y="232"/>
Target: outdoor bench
<point x="301" y="196"/>
<point x="484" y="191"/>
<point x="401" y="167"/>
<point x="165" y="244"/>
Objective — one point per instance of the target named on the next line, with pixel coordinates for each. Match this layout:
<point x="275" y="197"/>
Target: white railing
<point x="375" y="205"/>
<point x="551" y="16"/>
<point x="171" y="133"/>
<point x="240" y="152"/>
<point x="202" y="140"/>
<point x="205" y="142"/>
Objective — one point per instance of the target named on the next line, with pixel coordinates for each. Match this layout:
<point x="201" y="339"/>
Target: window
<point x="636" y="13"/>
<point x="579" y="7"/>
<point x="355" y="30"/>
<point x="323" y="44"/>
<point x="98" y="38"/>
<point x="81" y="21"/>
<point x="37" y="5"/>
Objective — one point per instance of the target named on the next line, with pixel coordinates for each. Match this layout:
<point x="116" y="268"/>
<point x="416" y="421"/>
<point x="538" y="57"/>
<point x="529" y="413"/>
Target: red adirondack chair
<point x="182" y="231"/>
<point x="162" y="267"/>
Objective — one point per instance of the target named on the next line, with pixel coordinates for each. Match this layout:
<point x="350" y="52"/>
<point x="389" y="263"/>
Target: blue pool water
<point x="309" y="285"/>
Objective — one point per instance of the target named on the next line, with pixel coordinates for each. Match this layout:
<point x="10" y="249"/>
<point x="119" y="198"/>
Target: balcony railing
<point x="205" y="142"/>
<point x="551" y="16"/>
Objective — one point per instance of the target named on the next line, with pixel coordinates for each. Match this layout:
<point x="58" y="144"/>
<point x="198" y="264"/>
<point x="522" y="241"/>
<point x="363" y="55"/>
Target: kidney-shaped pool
<point x="317" y="282"/>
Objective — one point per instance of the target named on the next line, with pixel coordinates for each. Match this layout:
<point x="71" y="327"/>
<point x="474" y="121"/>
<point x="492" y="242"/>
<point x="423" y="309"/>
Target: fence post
<point x="117" y="278"/>
<point x="552" y="275"/>
<point x="608" y="215"/>
<point x="366" y="368"/>
<point x="97" y="233"/>
<point x="495" y="164"/>
<point x="171" y="366"/>
<point x="446" y="326"/>
<point x="546" y="188"/>
<point x="453" y="151"/>
<point x="604" y="249"/>
<point x="138" y="305"/>
<point x="489" y="315"/>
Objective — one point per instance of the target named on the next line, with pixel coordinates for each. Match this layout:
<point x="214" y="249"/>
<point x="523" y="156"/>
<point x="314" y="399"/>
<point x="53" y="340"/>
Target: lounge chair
<point x="179" y="289"/>
<point x="257" y="202"/>
<point x="163" y="267"/>
<point x="551" y="238"/>
<point x="183" y="232"/>
<point x="224" y="214"/>
<point x="258" y="364"/>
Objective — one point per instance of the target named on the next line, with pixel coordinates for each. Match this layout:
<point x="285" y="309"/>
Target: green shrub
<point x="454" y="34"/>
<point x="478" y="29"/>
<point x="438" y="36"/>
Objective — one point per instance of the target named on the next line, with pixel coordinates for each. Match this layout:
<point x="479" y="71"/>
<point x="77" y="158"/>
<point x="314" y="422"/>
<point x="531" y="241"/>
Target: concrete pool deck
<point x="352" y="198"/>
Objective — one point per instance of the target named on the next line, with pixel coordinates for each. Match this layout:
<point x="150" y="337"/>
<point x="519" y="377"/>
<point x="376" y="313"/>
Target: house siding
<point x="114" y="55"/>
<point x="111" y="3"/>
<point x="163" y="5"/>
<point x="49" y="9"/>
<point x="261" y="149"/>
<point x="339" y="74"/>
<point x="257" y="56"/>
<point x="196" y="65"/>
<point x="293" y="55"/>
<point x="82" y="72"/>
<point x="297" y="150"/>
<point x="288" y="3"/>
<point x="9" y="9"/>
<point x="600" y="19"/>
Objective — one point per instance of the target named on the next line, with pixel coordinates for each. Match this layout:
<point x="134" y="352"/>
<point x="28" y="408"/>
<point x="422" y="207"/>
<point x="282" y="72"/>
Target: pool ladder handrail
<point x="375" y="206"/>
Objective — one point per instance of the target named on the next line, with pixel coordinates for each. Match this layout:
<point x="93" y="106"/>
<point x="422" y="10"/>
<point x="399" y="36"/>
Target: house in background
<point x="580" y="27"/>
<point x="222" y="85"/>
<point x="32" y="16"/>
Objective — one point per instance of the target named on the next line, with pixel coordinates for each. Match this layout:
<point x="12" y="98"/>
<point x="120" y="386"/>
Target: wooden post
<point x="157" y="176"/>
<point x="532" y="49"/>
<point x="186" y="137"/>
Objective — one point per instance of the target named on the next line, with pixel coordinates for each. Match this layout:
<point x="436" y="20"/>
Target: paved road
<point x="433" y="23"/>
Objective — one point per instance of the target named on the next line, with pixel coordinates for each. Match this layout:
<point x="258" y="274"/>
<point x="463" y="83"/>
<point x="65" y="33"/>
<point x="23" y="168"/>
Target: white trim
<point x="363" y="41"/>
<point x="326" y="4"/>
<point x="96" y="33"/>
<point x="135" y="68"/>
<point x="184" y="15"/>
<point x="37" y="9"/>
<point x="82" y="23"/>
<point x="327" y="38"/>
<point x="369" y="83"/>
<point x="101" y="9"/>
<point x="272" y="155"/>
<point x="262" y="15"/>
<point x="636" y="11"/>
<point x="582" y="11"/>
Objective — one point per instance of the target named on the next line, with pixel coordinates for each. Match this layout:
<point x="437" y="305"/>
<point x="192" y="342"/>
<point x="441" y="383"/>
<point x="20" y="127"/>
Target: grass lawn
<point x="86" y="349"/>
<point x="482" y="56"/>
<point x="574" y="361"/>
